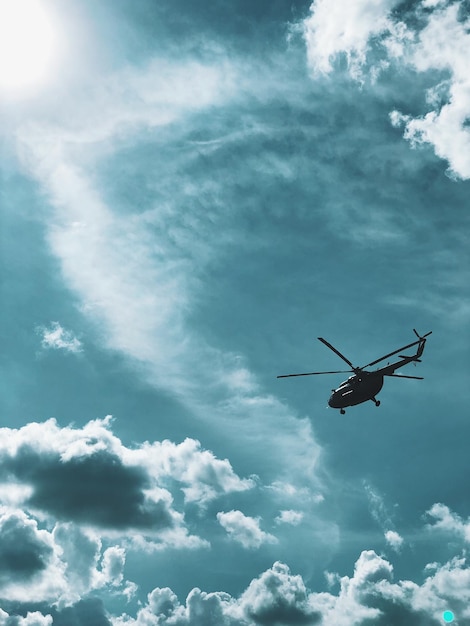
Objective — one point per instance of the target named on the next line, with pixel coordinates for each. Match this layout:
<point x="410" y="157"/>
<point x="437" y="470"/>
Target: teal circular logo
<point x="448" y="617"/>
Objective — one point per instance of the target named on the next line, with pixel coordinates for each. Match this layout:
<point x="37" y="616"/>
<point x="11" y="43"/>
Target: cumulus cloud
<point x="445" y="520"/>
<point x="394" y="540"/>
<point x="369" y="596"/>
<point x="25" y="551"/>
<point x="294" y="518"/>
<point x="278" y="597"/>
<point x="275" y="597"/>
<point x="58" y="338"/>
<point x="57" y="566"/>
<point x="244" y="530"/>
<point x="89" y="484"/>
<point x="34" y="618"/>
<point x="432" y="38"/>
<point x="87" y="564"/>
<point x="202" y="476"/>
<point x="344" y="27"/>
<point x="88" y="477"/>
<point x="442" y="46"/>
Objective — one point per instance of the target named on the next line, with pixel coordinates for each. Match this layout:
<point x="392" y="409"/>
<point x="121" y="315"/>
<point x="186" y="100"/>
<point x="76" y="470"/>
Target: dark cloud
<point x="96" y="489"/>
<point x="89" y="477"/>
<point x="88" y="612"/>
<point x="23" y="553"/>
<point x="278" y="597"/>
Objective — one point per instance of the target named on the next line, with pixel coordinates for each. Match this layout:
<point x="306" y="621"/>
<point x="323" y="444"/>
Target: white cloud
<point x="30" y="568"/>
<point x="377" y="507"/>
<point x="137" y="274"/>
<point x="34" y="618"/>
<point x="441" y="45"/>
<point x="244" y="530"/>
<point x="86" y="476"/>
<point x="394" y="540"/>
<point x="335" y="27"/>
<point x="279" y="597"/>
<point x="443" y="519"/>
<point x="113" y="565"/>
<point x="371" y="593"/>
<point x="55" y="567"/>
<point x="294" y="518"/>
<point x="58" y="338"/>
<point x="203" y="477"/>
<point x="88" y="565"/>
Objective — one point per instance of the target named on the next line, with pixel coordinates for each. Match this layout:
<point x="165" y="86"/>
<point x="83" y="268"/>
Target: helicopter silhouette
<point x="365" y="385"/>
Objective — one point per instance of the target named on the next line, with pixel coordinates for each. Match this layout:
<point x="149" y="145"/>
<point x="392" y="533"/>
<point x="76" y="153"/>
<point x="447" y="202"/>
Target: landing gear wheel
<point x="342" y="411"/>
<point x="377" y="402"/>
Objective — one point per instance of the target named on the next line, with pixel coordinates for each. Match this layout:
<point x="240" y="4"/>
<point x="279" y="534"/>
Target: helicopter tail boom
<point x="414" y="358"/>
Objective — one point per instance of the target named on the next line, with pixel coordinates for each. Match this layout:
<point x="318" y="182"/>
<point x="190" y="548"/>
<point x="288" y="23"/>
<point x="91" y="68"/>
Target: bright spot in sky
<point x="27" y="43"/>
<point x="448" y="616"/>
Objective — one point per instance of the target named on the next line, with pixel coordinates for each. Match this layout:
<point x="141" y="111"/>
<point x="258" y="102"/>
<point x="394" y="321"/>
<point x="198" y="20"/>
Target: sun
<point x="27" y="44"/>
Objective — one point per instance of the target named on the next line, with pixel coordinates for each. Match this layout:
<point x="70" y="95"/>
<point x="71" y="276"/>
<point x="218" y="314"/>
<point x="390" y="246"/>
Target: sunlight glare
<point x="27" y="43"/>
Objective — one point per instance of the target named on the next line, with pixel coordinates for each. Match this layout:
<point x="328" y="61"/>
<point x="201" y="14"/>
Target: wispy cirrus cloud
<point x="55" y="337"/>
<point x="137" y="274"/>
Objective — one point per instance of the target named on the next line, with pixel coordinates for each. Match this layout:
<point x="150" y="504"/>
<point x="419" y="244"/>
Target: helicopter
<point x="364" y="385"/>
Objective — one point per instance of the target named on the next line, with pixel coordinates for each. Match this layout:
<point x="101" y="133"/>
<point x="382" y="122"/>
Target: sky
<point x="191" y="194"/>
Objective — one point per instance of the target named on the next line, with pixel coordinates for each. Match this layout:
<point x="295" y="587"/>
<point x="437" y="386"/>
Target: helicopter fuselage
<point x="356" y="389"/>
<point x="364" y="385"/>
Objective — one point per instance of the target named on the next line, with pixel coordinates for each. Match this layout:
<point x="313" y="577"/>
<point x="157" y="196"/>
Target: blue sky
<point x="191" y="194"/>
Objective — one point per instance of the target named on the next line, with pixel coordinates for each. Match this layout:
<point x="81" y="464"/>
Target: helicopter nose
<point x="333" y="401"/>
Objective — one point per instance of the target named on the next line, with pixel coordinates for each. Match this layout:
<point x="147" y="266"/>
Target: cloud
<point x="57" y="338"/>
<point x="335" y="27"/>
<point x="369" y="596"/>
<point x="137" y="266"/>
<point x="294" y="518"/>
<point x="394" y="540"/>
<point x="275" y="597"/>
<point x="433" y="38"/>
<point x="24" y="550"/>
<point x="87" y="484"/>
<point x="244" y="530"/>
<point x="34" y="618"/>
<point x="88" y="477"/>
<point x="202" y="476"/>
<point x="445" y="520"/>
<point x="278" y="597"/>
<point x="442" y="47"/>
<point x="87" y="564"/>
<point x="377" y="506"/>
<point x="54" y="566"/>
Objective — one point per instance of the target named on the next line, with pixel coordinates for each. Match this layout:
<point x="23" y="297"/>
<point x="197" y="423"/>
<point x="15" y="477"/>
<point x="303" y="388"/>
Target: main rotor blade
<point x="404" y="376"/>
<point x="315" y="373"/>
<point x="410" y="345"/>
<point x="328" y="345"/>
